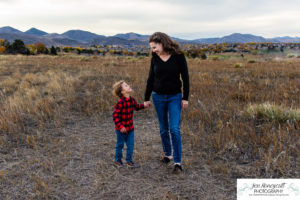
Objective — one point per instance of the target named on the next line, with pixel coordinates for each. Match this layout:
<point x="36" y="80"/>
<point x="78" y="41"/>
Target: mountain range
<point x="84" y="38"/>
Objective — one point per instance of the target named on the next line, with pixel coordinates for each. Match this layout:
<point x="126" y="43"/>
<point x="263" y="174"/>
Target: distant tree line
<point x="190" y="50"/>
<point x="18" y="47"/>
<point x="201" y="50"/>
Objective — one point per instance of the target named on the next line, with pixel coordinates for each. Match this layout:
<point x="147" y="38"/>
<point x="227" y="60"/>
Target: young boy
<point x="122" y="116"/>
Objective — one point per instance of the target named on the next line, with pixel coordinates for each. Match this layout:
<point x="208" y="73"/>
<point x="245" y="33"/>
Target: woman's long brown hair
<point x="170" y="46"/>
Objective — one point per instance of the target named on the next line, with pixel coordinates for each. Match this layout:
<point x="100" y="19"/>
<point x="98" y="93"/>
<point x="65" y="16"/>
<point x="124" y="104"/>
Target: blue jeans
<point x="168" y="110"/>
<point x="129" y="140"/>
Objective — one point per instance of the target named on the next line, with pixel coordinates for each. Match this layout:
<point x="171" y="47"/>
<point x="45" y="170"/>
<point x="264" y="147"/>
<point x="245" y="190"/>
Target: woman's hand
<point x="184" y="103"/>
<point x="147" y="104"/>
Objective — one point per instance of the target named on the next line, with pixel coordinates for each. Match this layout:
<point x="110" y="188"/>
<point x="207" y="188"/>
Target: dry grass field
<point x="57" y="135"/>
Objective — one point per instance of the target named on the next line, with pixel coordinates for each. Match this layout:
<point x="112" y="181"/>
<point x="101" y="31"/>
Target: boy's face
<point x="126" y="89"/>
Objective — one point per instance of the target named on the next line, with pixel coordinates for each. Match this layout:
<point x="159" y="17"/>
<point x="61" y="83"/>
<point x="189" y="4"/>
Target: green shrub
<point x="84" y="58"/>
<point x="215" y="58"/>
<point x="53" y="50"/>
<point x="203" y="56"/>
<point x="271" y="112"/>
<point x="238" y="65"/>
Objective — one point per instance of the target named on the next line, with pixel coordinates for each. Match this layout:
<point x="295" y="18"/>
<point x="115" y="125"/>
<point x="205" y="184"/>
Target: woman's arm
<point x="150" y="81"/>
<point x="185" y="77"/>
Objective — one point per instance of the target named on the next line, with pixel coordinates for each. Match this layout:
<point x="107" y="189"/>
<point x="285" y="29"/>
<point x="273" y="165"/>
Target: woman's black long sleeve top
<point x="164" y="76"/>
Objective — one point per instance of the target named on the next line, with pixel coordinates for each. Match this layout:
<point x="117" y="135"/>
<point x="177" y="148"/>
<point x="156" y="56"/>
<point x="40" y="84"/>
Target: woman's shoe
<point x="177" y="169"/>
<point x="166" y="159"/>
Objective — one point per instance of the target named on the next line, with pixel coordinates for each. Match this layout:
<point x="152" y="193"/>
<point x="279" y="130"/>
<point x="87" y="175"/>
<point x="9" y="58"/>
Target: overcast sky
<point x="187" y="19"/>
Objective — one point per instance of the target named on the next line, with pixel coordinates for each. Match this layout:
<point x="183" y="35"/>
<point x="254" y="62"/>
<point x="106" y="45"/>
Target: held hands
<point x="184" y="104"/>
<point x="123" y="130"/>
<point x="147" y="104"/>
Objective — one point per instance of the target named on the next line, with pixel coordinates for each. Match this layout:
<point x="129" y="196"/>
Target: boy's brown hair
<point x="117" y="88"/>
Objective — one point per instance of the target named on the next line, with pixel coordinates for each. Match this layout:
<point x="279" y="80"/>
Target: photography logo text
<point x="268" y="189"/>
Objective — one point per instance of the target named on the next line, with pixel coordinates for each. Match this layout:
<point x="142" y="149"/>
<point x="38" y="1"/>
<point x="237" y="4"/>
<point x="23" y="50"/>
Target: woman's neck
<point x="164" y="54"/>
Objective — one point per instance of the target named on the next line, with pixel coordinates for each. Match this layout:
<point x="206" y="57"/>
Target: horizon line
<point x="177" y="37"/>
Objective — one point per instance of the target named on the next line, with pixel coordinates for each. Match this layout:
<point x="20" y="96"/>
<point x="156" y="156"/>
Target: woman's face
<point x="156" y="48"/>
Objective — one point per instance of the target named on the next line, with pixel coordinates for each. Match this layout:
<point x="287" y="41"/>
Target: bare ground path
<point x="75" y="162"/>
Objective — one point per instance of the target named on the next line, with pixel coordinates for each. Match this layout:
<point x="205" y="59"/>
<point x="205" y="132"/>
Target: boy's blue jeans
<point x="168" y="109"/>
<point x="121" y="139"/>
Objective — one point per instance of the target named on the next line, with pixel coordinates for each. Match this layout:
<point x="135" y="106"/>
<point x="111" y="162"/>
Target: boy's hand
<point x="123" y="130"/>
<point x="147" y="104"/>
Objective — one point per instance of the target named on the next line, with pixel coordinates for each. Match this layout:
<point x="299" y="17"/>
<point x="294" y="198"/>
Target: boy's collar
<point x="126" y="98"/>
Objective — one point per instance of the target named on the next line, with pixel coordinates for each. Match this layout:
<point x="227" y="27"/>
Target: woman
<point x="167" y="65"/>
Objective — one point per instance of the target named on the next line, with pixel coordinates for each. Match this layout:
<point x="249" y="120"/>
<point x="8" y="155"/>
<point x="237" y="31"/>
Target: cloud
<point x="8" y="1"/>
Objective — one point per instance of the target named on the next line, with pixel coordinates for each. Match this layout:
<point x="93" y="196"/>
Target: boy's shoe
<point x="177" y="169"/>
<point x="166" y="159"/>
<point x="132" y="165"/>
<point x="119" y="163"/>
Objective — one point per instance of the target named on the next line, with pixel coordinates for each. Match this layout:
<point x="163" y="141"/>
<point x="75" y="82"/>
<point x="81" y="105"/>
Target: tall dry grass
<point x="221" y="128"/>
<point x="40" y="92"/>
<point x="36" y="90"/>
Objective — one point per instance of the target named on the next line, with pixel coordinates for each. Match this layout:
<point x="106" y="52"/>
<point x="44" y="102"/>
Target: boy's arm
<point x="137" y="106"/>
<point x="116" y="114"/>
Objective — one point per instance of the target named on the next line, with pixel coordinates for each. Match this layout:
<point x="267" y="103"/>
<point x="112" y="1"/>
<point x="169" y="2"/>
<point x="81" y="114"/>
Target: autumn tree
<point x="7" y="45"/>
<point x="219" y="48"/>
<point x="32" y="49"/>
<point x="40" y="47"/>
<point x="124" y="52"/>
<point x="2" y="49"/>
<point x="111" y="51"/>
<point x="78" y="50"/>
<point x="132" y="53"/>
<point x="67" y="49"/>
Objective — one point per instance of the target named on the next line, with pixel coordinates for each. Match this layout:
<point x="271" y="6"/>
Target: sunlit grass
<point x="273" y="112"/>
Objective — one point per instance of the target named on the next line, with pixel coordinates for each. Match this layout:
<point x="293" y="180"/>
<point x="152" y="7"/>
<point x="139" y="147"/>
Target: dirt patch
<point x="76" y="163"/>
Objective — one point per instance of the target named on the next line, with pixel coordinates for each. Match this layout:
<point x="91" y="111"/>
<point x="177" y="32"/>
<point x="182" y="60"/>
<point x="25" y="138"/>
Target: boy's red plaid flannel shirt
<point x="123" y="113"/>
